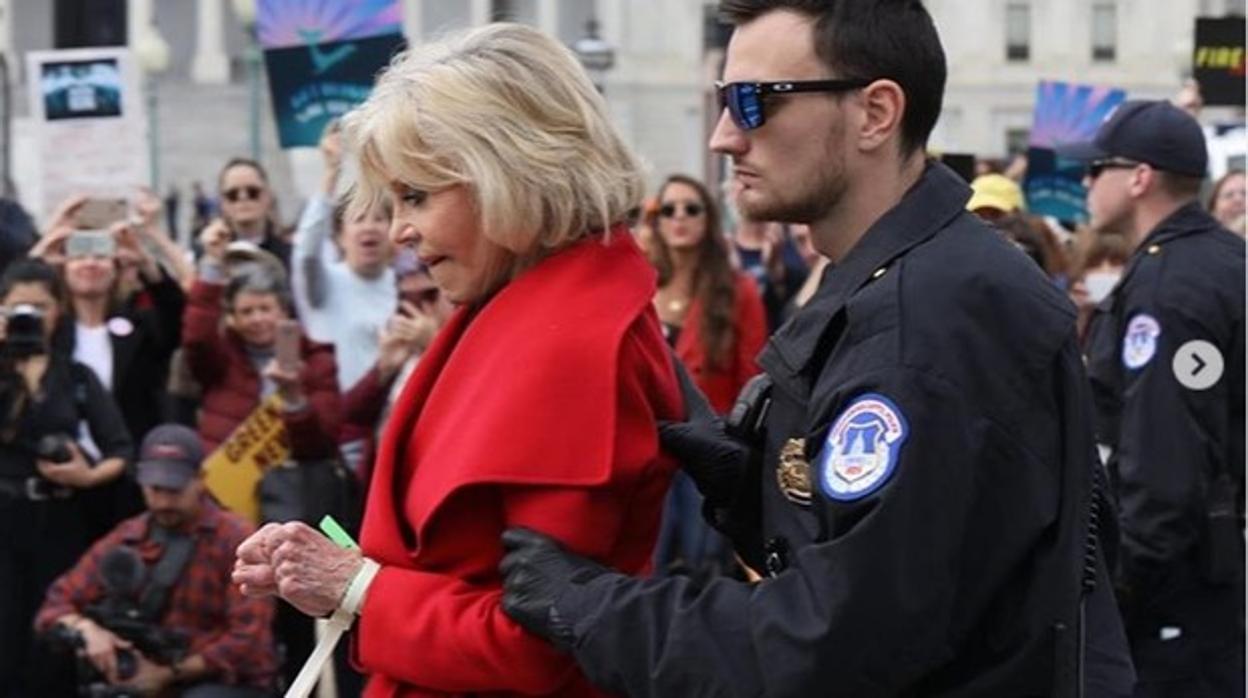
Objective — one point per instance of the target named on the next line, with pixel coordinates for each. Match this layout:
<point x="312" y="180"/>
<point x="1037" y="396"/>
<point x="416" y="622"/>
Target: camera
<point x="54" y="448"/>
<point x="124" y="574"/>
<point x="24" y="331"/>
<point x="88" y="681"/>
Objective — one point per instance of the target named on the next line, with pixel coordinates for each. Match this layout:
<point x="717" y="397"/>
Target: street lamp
<point x="245" y="11"/>
<point x="152" y="52"/>
<point x="596" y="55"/>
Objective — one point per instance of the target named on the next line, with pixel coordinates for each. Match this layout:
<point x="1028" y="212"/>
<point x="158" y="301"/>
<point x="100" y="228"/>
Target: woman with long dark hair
<point x="714" y="319"/>
<point x="711" y="312"/>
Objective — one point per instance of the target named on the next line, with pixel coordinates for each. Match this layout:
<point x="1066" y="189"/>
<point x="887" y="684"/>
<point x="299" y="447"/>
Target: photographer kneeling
<point x="150" y="608"/>
<point x="45" y="397"/>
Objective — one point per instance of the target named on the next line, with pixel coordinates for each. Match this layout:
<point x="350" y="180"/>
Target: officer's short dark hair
<point x="1177" y="186"/>
<point x="892" y="39"/>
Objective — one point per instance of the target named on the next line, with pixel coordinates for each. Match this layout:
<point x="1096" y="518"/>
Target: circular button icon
<point x="1198" y="365"/>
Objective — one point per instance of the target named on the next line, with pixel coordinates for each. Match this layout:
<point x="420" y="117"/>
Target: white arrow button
<point x="1198" y="365"/>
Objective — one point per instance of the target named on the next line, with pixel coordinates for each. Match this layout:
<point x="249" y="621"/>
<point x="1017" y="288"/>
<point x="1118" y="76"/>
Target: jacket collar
<point x="937" y="198"/>
<point x="1189" y="219"/>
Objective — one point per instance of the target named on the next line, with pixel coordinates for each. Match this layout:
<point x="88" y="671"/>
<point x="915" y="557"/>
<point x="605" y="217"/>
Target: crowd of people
<point x="582" y="464"/>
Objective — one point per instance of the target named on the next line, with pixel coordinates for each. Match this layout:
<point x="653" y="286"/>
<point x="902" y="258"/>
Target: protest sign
<point x="322" y="59"/>
<point x="1064" y="113"/>
<point x="1218" y="60"/>
<point x="89" y="124"/>
<point x="232" y="473"/>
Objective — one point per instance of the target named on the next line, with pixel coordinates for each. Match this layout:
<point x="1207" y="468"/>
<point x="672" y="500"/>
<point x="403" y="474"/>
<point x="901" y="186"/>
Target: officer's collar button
<point x="879" y="272"/>
<point x="1154" y="249"/>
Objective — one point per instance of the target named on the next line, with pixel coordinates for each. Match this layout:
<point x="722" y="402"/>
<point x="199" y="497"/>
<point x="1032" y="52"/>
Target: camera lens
<point x="54" y="448"/>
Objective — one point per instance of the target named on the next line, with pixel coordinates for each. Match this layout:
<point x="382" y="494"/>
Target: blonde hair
<point x="507" y="111"/>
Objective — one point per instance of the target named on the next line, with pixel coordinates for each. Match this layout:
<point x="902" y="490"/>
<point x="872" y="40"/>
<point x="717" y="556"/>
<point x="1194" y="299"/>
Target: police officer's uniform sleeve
<point x="869" y="610"/>
<point x="1169" y="447"/>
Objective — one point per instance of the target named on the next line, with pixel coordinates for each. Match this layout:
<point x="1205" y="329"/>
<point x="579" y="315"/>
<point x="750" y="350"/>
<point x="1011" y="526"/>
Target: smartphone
<point x="97" y="213"/>
<point x="286" y="346"/>
<point x="90" y="243"/>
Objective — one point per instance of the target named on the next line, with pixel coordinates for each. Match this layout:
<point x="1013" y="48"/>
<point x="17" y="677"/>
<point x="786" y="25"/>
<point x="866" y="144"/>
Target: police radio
<point x="748" y="416"/>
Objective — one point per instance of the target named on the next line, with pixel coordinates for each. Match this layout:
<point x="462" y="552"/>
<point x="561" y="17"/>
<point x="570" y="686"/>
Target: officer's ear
<point x="883" y="104"/>
<point x="1143" y="180"/>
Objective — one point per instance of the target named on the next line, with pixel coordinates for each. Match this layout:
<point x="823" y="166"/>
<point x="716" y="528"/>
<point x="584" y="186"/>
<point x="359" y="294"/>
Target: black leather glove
<point x="712" y="458"/>
<point x="537" y="574"/>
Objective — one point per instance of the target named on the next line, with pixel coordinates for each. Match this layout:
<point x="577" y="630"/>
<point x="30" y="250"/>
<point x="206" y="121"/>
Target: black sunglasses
<point x="744" y="100"/>
<point x="249" y="193"/>
<point x="1096" y="167"/>
<point x="693" y="210"/>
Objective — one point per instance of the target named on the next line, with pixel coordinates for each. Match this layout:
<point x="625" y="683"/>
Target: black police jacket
<point x="935" y="389"/>
<point x="1171" y="442"/>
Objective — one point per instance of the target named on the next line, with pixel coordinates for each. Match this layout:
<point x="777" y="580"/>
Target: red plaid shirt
<point x="231" y="632"/>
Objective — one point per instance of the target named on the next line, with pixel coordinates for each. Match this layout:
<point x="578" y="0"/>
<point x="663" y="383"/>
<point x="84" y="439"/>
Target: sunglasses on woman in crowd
<point x="692" y="210"/>
<point x="247" y="193"/>
<point x="744" y="100"/>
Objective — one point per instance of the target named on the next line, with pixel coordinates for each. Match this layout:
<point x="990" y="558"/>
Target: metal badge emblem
<point x="793" y="472"/>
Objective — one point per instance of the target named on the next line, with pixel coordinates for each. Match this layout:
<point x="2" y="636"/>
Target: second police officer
<point x="1166" y="360"/>
<point x="920" y="492"/>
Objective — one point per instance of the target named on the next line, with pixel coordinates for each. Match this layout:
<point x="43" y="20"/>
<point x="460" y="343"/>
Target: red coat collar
<point x="524" y="391"/>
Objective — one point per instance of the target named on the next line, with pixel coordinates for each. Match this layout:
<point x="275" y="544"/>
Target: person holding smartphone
<point x="422" y="311"/>
<point x="124" y="318"/>
<point x="247" y="209"/>
<point x="241" y="348"/>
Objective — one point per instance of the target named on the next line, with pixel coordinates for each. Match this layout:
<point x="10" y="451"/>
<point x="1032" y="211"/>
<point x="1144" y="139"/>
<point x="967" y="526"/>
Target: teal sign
<point x="316" y="82"/>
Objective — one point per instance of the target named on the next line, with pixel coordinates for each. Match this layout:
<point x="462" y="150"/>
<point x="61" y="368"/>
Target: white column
<point x="613" y="23"/>
<point x="548" y="17"/>
<point x="138" y="18"/>
<point x="210" y="65"/>
<point x="6" y="40"/>
<point x="613" y="27"/>
<point x="479" y="13"/>
<point x="413" y="20"/>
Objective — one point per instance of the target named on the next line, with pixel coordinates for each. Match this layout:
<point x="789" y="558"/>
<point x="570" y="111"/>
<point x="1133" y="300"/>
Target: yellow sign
<point x="233" y="471"/>
<point x="1228" y="57"/>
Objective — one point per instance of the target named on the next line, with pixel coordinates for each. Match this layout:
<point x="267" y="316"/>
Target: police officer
<point x="1166" y="359"/>
<point x="921" y="506"/>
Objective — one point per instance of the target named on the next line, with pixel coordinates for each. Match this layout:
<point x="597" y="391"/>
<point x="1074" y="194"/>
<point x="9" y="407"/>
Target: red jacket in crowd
<point x="539" y="411"/>
<point x="721" y="384"/>
<point x="218" y="360"/>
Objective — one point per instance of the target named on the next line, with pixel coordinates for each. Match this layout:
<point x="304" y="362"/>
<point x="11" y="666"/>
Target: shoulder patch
<point x="1139" y="343"/>
<point x="861" y="450"/>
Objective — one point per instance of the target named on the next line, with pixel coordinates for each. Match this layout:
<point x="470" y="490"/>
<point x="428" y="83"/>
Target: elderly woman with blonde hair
<point x="536" y="406"/>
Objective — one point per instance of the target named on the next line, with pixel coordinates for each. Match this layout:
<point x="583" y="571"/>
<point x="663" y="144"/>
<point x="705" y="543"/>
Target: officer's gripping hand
<point x="712" y="458"/>
<point x="537" y="575"/>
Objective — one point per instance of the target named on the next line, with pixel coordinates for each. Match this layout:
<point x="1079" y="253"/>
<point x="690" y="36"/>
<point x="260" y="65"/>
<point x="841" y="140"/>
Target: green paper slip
<point x="337" y="533"/>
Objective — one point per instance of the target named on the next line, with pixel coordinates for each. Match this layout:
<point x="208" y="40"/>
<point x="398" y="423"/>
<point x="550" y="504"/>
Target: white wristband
<point x="353" y="600"/>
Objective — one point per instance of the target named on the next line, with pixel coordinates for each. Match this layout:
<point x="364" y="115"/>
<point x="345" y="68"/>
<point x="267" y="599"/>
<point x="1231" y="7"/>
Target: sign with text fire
<point x="1218" y="60"/>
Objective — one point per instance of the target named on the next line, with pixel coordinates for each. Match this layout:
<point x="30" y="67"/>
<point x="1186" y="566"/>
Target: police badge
<point x="862" y="448"/>
<point x="1139" y="343"/>
<point x="793" y="472"/>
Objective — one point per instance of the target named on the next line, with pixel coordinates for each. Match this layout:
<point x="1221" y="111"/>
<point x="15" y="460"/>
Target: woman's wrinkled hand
<point x="298" y="564"/>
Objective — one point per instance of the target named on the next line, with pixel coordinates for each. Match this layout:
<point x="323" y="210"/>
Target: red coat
<point x="231" y="385"/>
<point x="749" y="325"/>
<point x="538" y="411"/>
